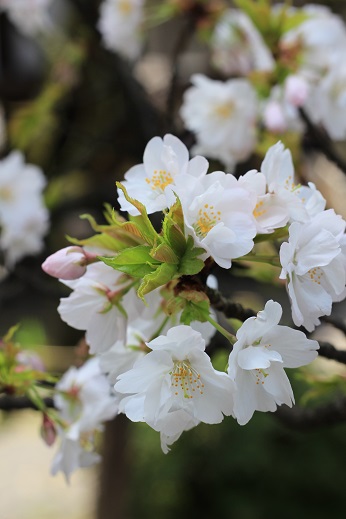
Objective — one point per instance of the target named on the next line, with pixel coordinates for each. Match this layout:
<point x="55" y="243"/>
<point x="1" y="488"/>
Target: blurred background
<point x="84" y="115"/>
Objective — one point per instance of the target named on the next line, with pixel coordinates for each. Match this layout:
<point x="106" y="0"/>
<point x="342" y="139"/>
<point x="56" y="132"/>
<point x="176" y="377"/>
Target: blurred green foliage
<point x="259" y="471"/>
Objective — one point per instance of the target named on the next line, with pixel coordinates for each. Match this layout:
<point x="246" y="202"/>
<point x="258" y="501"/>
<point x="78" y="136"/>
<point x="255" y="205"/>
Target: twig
<point x="337" y="323"/>
<point x="227" y="307"/>
<point x="12" y="403"/>
<point x="307" y="418"/>
<point x="184" y="37"/>
<point x="329" y="351"/>
<point x="321" y="141"/>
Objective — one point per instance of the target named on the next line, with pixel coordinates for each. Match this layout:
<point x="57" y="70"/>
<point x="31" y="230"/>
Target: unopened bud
<point x="67" y="263"/>
<point x="296" y="90"/>
<point x="274" y="118"/>
<point x="48" y="430"/>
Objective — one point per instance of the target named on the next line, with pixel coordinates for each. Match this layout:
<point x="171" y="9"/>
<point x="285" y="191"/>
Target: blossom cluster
<point x="23" y="215"/>
<point x="30" y="17"/>
<point x="138" y="296"/>
<point x="287" y="60"/>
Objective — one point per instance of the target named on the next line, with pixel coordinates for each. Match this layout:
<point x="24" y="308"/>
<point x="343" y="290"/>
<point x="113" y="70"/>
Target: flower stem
<point x="229" y="336"/>
<point x="257" y="258"/>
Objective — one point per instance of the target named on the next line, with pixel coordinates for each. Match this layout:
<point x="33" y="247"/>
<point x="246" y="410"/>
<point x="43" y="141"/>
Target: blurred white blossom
<point x="119" y="24"/>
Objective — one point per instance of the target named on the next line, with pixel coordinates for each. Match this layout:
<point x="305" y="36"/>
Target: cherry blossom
<point x="152" y="183"/>
<point x="119" y="24"/>
<point x="223" y="117"/>
<point x="84" y="401"/>
<point x="238" y="48"/>
<point x="314" y="266"/>
<point x="256" y="363"/>
<point x="176" y="375"/>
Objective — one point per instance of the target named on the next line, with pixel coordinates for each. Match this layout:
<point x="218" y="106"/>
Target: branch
<point x="321" y="141"/>
<point x="307" y="418"/>
<point x="337" y="323"/>
<point x="12" y="403"/>
<point x="227" y="307"/>
<point x="329" y="351"/>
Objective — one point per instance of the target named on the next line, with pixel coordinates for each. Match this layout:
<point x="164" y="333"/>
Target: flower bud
<point x="67" y="263"/>
<point x="296" y="90"/>
<point x="48" y="430"/>
<point x="274" y="118"/>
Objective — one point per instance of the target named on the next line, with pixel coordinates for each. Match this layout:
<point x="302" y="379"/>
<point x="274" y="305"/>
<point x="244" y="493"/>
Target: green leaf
<point x="195" y="312"/>
<point x="10" y="334"/>
<point x="190" y="264"/>
<point x="142" y="222"/>
<point x="134" y="261"/>
<point x="173" y="229"/>
<point x="162" y="275"/>
<point x="164" y="254"/>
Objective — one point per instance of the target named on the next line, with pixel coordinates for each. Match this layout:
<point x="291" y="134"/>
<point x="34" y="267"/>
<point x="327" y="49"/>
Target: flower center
<point x="186" y="380"/>
<point x="6" y="194"/>
<point x="160" y="180"/>
<point x="260" y="375"/>
<point x="207" y="219"/>
<point x="224" y="110"/>
<point x="315" y="275"/>
<point x="125" y="7"/>
<point x="259" y="211"/>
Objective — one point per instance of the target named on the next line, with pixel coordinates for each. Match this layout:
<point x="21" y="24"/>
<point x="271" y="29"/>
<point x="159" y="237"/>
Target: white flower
<point x="30" y="16"/>
<point x="223" y="117"/>
<point x="176" y="375"/>
<point x="71" y="456"/>
<point x="120" y="24"/>
<point x="314" y="267"/>
<point x="238" y="48"/>
<point x="172" y="425"/>
<point x="23" y="216"/>
<point x="96" y="305"/>
<point x="320" y="39"/>
<point x="84" y="400"/>
<point x="153" y="182"/>
<point x="327" y="103"/>
<point x="300" y="202"/>
<point x="269" y="214"/>
<point x="257" y="360"/>
<point x="220" y="219"/>
<point x="141" y="329"/>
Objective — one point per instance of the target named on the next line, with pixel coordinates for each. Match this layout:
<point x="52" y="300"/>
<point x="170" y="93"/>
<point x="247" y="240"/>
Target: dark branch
<point x="306" y="418"/>
<point x="227" y="307"/>
<point x="329" y="351"/>
<point x="12" y="403"/>
<point x="319" y="140"/>
<point x="337" y="323"/>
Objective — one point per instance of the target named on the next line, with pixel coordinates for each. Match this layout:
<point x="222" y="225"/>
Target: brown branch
<point x="337" y="323"/>
<point x="329" y="351"/>
<point x="320" y="140"/>
<point x="307" y="418"/>
<point x="228" y="308"/>
<point x="14" y="403"/>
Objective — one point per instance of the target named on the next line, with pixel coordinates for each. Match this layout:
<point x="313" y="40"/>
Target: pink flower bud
<point x="48" y="431"/>
<point x="296" y="90"/>
<point x="67" y="263"/>
<point x="274" y="118"/>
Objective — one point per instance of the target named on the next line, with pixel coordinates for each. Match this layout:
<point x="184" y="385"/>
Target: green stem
<point x="229" y="336"/>
<point x="257" y="258"/>
<point x="161" y="327"/>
